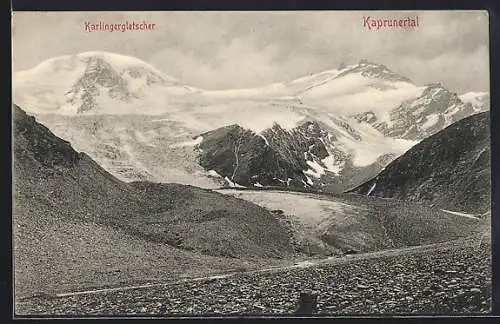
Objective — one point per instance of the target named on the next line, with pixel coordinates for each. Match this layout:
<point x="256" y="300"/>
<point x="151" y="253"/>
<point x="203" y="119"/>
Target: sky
<point x="225" y="50"/>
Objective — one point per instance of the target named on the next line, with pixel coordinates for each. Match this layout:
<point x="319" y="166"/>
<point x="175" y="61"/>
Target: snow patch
<point x="303" y="264"/>
<point x="373" y="145"/>
<point x="371" y="189"/>
<point x="460" y="214"/>
<point x="213" y="173"/>
<point x="315" y="170"/>
<point x="355" y="93"/>
<point x="233" y="184"/>
<point x="430" y="121"/>
<point x="264" y="138"/>
<point x="473" y="97"/>
<point x="332" y="165"/>
<point x="451" y="110"/>
<point x="160" y="120"/>
<point x="196" y="141"/>
<point x="144" y="139"/>
<point x="309" y="210"/>
<point x="252" y="115"/>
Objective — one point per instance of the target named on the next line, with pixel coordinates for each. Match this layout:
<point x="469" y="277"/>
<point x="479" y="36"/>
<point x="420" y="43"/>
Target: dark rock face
<point x="450" y="169"/>
<point x="245" y="158"/>
<point x="286" y="158"/>
<point x="276" y="157"/>
<point x="141" y="72"/>
<point x="297" y="146"/>
<point x="36" y="141"/>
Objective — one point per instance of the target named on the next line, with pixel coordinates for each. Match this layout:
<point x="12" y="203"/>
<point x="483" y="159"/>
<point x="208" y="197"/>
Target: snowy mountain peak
<point x="358" y="88"/>
<point x="120" y="63"/>
<point x="418" y="118"/>
<point x="434" y="85"/>
<point x="432" y="89"/>
<point x="93" y="82"/>
<point x="98" y="75"/>
<point x="374" y="71"/>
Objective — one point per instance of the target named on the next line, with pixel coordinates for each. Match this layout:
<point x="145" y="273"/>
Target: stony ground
<point x="450" y="278"/>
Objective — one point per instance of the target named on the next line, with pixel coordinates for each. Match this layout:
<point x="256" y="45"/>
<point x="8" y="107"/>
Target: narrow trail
<point x="299" y="264"/>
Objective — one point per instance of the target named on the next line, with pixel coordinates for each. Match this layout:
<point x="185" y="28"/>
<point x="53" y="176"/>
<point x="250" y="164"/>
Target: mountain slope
<point x="450" y="169"/>
<point x="134" y="147"/>
<point x="166" y="148"/>
<point x="58" y="191"/>
<point x="49" y="169"/>
<point x="319" y="89"/>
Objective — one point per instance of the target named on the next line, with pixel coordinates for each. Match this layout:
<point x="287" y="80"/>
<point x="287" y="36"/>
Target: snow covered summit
<point x="94" y="82"/>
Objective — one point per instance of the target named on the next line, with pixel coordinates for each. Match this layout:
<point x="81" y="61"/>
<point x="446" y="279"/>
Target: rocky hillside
<point x="314" y="155"/>
<point x="452" y="278"/>
<point x="54" y="184"/>
<point x="450" y="169"/>
<point x="275" y="157"/>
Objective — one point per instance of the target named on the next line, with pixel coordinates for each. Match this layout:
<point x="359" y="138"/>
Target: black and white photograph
<point x="251" y="163"/>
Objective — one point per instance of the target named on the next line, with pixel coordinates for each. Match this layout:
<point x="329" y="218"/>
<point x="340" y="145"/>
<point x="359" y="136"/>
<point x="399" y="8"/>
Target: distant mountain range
<point x="450" y="169"/>
<point x="329" y="131"/>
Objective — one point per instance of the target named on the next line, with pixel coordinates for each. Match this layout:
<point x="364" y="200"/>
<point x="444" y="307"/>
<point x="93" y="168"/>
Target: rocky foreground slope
<point x="451" y="278"/>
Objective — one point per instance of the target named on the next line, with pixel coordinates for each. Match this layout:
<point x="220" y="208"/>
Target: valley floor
<point x="445" y="278"/>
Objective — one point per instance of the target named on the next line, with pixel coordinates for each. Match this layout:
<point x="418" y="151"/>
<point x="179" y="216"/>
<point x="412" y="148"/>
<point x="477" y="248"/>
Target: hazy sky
<point x="221" y="50"/>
